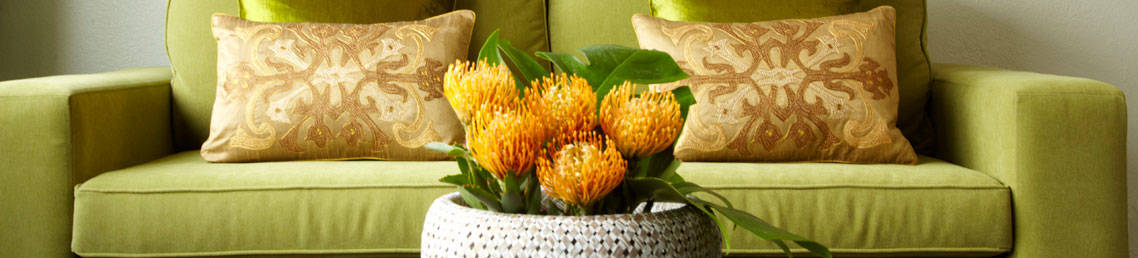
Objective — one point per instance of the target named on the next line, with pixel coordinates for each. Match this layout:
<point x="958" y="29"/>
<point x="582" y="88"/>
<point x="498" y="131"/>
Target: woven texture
<point x="671" y="230"/>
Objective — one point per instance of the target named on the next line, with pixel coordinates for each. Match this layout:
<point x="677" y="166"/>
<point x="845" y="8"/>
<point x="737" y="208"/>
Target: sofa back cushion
<point x="193" y="53"/>
<point x="577" y="23"/>
<point x="342" y="11"/>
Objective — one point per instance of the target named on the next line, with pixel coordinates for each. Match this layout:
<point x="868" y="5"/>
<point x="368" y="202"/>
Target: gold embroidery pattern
<point x="774" y="90"/>
<point x="334" y="90"/>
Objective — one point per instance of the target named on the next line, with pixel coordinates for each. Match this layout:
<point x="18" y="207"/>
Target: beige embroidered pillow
<point x="315" y="91"/>
<point x="792" y="90"/>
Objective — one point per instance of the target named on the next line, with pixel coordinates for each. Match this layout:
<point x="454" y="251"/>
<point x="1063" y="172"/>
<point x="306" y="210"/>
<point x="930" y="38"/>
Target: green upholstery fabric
<point x="577" y="23"/>
<point x="1058" y="142"/>
<point x="925" y="209"/>
<point x="342" y="11"/>
<point x="60" y="130"/>
<point x="183" y="205"/>
<point x="193" y="58"/>
<point x="193" y="52"/>
<point x="912" y="59"/>
<point x="522" y="22"/>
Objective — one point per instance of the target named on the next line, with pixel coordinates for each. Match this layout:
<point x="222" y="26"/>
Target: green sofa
<point x="1023" y="165"/>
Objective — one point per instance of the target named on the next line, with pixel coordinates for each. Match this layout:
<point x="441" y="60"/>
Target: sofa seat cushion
<point x="934" y="208"/>
<point x="182" y="205"/>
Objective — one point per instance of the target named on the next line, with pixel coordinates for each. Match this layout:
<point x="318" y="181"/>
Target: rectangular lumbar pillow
<point x="791" y="90"/>
<point x="913" y="72"/>
<point x="312" y="91"/>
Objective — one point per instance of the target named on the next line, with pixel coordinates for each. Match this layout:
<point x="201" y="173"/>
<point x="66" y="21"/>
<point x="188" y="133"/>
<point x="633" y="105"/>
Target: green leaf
<point x="450" y="150"/>
<point x="664" y="191"/>
<point x="687" y="188"/>
<point x="610" y="65"/>
<point x="529" y="68"/>
<point x="463" y="165"/>
<point x="512" y="201"/>
<point x="568" y="63"/>
<point x="643" y="165"/>
<point x="489" y="50"/>
<point x="486" y="198"/>
<point x="718" y="223"/>
<point x="492" y="183"/>
<point x="459" y="179"/>
<point x="669" y="172"/>
<point x="685" y="98"/>
<point x="766" y="231"/>
<point x="533" y="195"/>
<point x="470" y="200"/>
<point x="553" y="209"/>
<point x="659" y="165"/>
<point x="785" y="249"/>
<point x="656" y="188"/>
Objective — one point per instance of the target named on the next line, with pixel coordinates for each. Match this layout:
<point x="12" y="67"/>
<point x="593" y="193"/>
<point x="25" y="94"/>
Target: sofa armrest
<point x="1058" y="142"/>
<point x="58" y="131"/>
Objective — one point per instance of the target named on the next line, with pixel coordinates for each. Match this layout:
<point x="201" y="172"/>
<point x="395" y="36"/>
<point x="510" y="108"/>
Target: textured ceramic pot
<point x="452" y="229"/>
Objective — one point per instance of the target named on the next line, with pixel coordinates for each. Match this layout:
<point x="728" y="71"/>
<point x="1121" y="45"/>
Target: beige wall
<point x="1088" y="38"/>
<point x="44" y="37"/>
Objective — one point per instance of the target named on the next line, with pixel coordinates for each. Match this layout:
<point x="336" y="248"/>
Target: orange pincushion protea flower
<point x="568" y="103"/>
<point x="580" y="168"/>
<point x="643" y="125"/>
<point x="505" y="142"/>
<point x="470" y="88"/>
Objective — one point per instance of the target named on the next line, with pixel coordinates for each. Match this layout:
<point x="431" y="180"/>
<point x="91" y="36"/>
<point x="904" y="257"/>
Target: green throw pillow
<point x="342" y="11"/>
<point x="914" y="74"/>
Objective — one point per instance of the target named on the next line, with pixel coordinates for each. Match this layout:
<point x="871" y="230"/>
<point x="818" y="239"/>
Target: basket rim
<point x="454" y="201"/>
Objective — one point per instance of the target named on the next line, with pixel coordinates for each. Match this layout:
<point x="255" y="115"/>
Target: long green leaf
<point x="533" y="195"/>
<point x="512" y="201"/>
<point x="785" y="249"/>
<point x="489" y="50"/>
<point x="642" y="66"/>
<point x="487" y="199"/>
<point x="458" y="179"/>
<point x="492" y="183"/>
<point x="529" y="68"/>
<point x="658" y="189"/>
<point x="669" y="172"/>
<point x="660" y="164"/>
<point x="661" y="190"/>
<point x="687" y="188"/>
<point x="470" y="200"/>
<point x="569" y="64"/>
<point x="610" y="65"/>
<point x="766" y="231"/>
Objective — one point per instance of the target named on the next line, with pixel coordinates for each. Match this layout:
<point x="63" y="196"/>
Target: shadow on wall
<point x="30" y="38"/>
<point x="966" y="32"/>
<point x="963" y="34"/>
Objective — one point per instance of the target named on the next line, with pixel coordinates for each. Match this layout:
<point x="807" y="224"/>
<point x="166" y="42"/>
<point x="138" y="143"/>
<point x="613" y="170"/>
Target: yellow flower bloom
<point x="471" y="88"/>
<point x="505" y="142"/>
<point x="567" y="102"/>
<point x="581" y="168"/>
<point x="643" y="125"/>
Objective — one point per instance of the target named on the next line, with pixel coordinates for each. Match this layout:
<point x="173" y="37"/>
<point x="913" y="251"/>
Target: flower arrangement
<point x="583" y="142"/>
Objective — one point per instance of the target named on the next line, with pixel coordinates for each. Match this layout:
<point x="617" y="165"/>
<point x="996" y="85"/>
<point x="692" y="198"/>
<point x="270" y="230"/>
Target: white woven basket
<point x="672" y="230"/>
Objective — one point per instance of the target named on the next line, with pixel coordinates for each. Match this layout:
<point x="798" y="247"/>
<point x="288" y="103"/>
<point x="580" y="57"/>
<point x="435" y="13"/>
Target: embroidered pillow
<point x="791" y="90"/>
<point x="319" y="91"/>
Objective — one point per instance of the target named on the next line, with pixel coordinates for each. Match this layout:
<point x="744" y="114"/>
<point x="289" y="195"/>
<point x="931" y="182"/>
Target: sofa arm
<point x="58" y="131"/>
<point x="1058" y="142"/>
